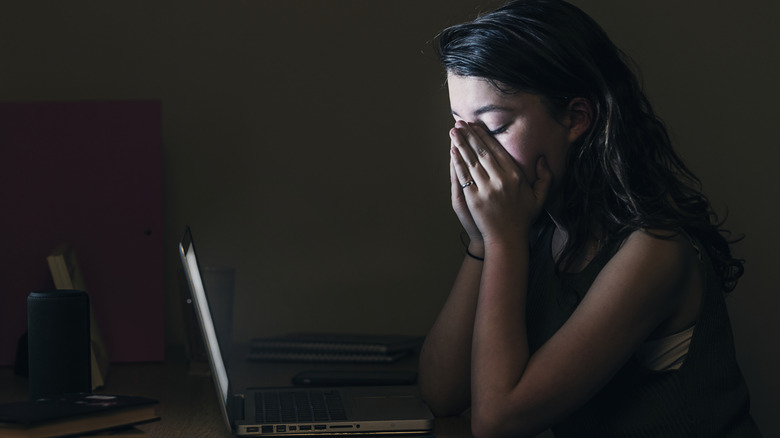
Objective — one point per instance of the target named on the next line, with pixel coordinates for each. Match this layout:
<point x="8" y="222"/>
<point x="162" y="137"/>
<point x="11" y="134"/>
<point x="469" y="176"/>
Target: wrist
<point x="505" y="246"/>
<point x="476" y="254"/>
<point x="475" y="248"/>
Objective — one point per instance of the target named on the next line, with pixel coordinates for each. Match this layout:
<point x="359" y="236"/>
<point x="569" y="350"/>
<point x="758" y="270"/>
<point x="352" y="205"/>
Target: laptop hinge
<point x="235" y="406"/>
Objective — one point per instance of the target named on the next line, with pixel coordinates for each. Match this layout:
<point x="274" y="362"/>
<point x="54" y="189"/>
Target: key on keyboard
<point x="298" y="406"/>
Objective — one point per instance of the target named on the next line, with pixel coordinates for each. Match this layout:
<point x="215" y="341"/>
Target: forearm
<point x="445" y="359"/>
<point x="500" y="346"/>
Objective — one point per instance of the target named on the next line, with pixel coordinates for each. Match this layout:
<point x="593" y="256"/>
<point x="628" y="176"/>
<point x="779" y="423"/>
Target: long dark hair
<point x="623" y="175"/>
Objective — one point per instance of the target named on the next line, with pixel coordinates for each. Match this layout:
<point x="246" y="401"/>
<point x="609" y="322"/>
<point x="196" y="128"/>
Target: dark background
<point x="306" y="144"/>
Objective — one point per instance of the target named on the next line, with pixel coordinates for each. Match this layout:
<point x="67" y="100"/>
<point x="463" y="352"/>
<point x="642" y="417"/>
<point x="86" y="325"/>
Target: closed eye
<point x="498" y="131"/>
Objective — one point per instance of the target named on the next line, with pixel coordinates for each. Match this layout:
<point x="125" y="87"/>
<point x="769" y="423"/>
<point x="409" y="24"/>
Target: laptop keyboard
<point x="298" y="406"/>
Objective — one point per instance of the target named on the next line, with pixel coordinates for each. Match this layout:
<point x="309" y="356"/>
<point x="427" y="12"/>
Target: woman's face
<point x="520" y="122"/>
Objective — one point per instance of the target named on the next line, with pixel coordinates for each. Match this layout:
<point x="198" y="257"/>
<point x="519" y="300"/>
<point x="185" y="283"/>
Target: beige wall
<point x="305" y="142"/>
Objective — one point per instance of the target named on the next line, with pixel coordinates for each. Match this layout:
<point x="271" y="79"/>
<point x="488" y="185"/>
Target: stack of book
<point x="77" y="415"/>
<point x="333" y="347"/>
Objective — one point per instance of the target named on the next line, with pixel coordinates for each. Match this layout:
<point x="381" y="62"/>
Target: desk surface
<point x="188" y="402"/>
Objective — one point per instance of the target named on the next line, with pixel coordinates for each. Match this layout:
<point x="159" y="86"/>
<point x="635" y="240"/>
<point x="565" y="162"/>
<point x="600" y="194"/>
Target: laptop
<point x="296" y="411"/>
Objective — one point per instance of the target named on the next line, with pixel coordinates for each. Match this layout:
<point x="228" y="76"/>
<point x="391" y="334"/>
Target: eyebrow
<point x="485" y="109"/>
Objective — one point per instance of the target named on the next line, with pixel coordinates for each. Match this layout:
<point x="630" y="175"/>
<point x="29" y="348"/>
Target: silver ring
<point x="468" y="183"/>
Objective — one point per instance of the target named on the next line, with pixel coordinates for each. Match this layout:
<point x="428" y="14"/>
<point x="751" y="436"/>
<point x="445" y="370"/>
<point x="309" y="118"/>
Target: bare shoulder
<point x="641" y="293"/>
<point x="667" y="264"/>
<point x="660" y="252"/>
<point x="659" y="249"/>
<point x="659" y="239"/>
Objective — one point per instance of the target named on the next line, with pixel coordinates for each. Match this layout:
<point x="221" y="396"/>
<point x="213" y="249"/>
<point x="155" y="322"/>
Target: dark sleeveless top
<point x="706" y="397"/>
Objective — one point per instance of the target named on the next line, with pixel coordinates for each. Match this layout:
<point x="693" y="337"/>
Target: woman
<point x="591" y="296"/>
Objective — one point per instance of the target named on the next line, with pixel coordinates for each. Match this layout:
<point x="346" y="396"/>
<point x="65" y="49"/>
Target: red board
<point x="89" y="174"/>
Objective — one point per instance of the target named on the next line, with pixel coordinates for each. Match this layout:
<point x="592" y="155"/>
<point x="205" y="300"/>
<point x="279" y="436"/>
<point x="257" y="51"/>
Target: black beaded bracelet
<point x="481" y="259"/>
<point x="466" y="246"/>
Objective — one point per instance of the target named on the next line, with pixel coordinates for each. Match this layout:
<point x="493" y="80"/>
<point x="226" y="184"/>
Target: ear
<point x="580" y="114"/>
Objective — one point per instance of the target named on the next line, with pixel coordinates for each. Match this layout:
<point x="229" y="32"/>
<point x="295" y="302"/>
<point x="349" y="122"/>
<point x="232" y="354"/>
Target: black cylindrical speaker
<point x="58" y="342"/>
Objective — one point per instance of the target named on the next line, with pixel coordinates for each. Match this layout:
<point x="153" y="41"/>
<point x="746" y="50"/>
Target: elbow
<point x="444" y="397"/>
<point x="486" y="426"/>
<point x="444" y="409"/>
<point x="492" y="429"/>
<point x="442" y="405"/>
<point x="500" y="423"/>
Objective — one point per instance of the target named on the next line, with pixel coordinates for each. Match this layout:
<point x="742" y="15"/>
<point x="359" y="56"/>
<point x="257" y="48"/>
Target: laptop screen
<point x="191" y="268"/>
